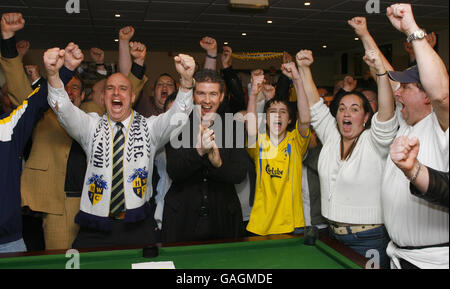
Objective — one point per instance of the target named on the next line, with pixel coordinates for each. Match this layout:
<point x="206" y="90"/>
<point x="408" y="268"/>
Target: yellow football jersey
<point x="278" y="205"/>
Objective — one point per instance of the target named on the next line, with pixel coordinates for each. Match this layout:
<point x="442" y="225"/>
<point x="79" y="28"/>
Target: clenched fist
<point x="210" y="45"/>
<point x="53" y="61"/>
<point x="359" y="24"/>
<point x="73" y="56"/>
<point x="126" y="33"/>
<point x="304" y="58"/>
<point x="185" y="66"/>
<point x="404" y="151"/>
<point x="97" y="54"/>
<point x="373" y="59"/>
<point x="226" y="56"/>
<point x="290" y="70"/>
<point x="402" y="18"/>
<point x="257" y="84"/>
<point x="22" y="47"/>
<point x="11" y="23"/>
<point x="138" y="51"/>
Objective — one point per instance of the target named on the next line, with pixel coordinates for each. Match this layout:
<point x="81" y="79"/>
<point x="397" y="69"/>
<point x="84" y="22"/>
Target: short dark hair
<point x="76" y="75"/>
<point x="165" y="74"/>
<point x="209" y="75"/>
<point x="291" y="112"/>
<point x="366" y="105"/>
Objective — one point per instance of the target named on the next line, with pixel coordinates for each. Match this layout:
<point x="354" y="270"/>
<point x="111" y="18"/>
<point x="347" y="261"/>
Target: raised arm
<point x="304" y="60"/>
<point x="18" y="85"/>
<point x="138" y="52"/>
<point x="75" y="121"/>
<point x="125" y="35"/>
<point x="166" y="124"/>
<point x="209" y="44"/>
<point x="233" y="83"/>
<point x="432" y="70"/>
<point x="385" y="94"/>
<point x="98" y="55"/>
<point x="290" y="70"/>
<point x="359" y="24"/>
<point x="251" y="117"/>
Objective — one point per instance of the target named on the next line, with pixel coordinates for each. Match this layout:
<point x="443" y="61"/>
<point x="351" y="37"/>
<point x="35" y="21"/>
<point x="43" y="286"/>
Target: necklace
<point x="349" y="153"/>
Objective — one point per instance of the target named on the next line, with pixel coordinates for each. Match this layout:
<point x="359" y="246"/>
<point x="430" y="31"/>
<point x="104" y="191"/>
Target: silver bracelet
<point x="414" y="177"/>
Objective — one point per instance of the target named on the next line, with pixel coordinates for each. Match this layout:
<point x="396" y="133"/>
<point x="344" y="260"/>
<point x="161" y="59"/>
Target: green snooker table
<point x="270" y="252"/>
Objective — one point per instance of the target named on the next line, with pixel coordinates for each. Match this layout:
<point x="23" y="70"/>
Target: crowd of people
<point x="117" y="164"/>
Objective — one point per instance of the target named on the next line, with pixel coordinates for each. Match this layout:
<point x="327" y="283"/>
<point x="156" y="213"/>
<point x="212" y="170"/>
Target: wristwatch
<point x="419" y="34"/>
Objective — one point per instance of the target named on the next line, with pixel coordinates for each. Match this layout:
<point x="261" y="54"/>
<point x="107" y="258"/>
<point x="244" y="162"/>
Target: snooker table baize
<point x="285" y="251"/>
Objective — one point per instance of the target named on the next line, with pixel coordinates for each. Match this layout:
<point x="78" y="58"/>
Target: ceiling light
<point x="116" y="40"/>
<point x="269" y="21"/>
<point x="356" y="38"/>
<point x="244" y="34"/>
<point x="117" y="15"/>
<point x="250" y="4"/>
<point x="225" y="43"/>
<point x="324" y="46"/>
<point x="307" y="3"/>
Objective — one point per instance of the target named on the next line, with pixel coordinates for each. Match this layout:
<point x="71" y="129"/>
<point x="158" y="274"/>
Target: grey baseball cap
<point x="410" y="75"/>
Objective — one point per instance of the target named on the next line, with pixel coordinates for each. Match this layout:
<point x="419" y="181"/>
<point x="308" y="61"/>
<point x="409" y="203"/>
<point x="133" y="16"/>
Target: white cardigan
<point x="351" y="189"/>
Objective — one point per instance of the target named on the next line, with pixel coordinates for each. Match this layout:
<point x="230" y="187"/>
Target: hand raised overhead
<point x="97" y="54"/>
<point x="11" y="23"/>
<point x="53" y="60"/>
<point x="257" y="83"/>
<point x="22" y="47"/>
<point x="402" y="18"/>
<point x="209" y="44"/>
<point x="304" y="58"/>
<point x="126" y="33"/>
<point x="73" y="56"/>
<point x="290" y="70"/>
<point x="226" y="56"/>
<point x="373" y="59"/>
<point x="349" y="83"/>
<point x="359" y="24"/>
<point x="185" y="66"/>
<point x="138" y="51"/>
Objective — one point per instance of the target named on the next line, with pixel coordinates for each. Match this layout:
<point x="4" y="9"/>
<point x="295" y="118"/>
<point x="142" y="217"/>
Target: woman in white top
<point x="355" y="147"/>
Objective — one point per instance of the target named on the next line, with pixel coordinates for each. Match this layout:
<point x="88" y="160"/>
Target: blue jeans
<point x="377" y="238"/>
<point x="14" y="246"/>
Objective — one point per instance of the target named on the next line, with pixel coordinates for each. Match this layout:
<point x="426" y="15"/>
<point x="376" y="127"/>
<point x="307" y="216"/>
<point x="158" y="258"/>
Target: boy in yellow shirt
<point x="278" y="155"/>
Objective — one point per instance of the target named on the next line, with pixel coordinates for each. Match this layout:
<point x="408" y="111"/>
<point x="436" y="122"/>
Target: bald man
<point x="116" y="203"/>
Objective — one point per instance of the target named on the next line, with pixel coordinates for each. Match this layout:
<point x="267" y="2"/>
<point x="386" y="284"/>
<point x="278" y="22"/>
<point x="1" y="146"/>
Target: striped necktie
<point x="117" y="204"/>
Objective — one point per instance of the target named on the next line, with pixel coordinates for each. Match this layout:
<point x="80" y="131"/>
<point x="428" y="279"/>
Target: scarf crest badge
<point x="139" y="181"/>
<point x="136" y="154"/>
<point x="96" y="187"/>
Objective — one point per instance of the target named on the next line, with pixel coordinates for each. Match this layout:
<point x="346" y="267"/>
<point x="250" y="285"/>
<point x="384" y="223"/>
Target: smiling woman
<point x="353" y="117"/>
<point x="352" y="159"/>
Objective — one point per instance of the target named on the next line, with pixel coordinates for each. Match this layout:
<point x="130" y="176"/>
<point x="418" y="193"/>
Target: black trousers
<point x="122" y="234"/>
<point x="32" y="231"/>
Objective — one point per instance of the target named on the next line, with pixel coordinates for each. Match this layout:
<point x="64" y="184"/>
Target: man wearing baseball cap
<point x="419" y="231"/>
